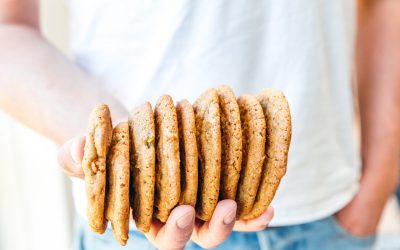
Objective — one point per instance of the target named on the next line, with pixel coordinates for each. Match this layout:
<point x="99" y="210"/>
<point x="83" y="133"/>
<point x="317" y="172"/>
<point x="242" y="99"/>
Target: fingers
<point x="214" y="232"/>
<point x="257" y="224"/>
<point x="70" y="156"/>
<point x="177" y="230"/>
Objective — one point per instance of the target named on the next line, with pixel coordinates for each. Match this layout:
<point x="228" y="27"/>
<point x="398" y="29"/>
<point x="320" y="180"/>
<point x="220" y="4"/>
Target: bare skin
<point x="180" y="226"/>
<point x="37" y="90"/>
<point x="378" y="63"/>
<point x="35" y="78"/>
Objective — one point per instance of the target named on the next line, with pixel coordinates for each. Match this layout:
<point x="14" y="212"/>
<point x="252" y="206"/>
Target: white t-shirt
<point x="143" y="49"/>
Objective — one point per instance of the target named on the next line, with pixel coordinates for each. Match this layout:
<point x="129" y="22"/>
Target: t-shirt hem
<point x="329" y="208"/>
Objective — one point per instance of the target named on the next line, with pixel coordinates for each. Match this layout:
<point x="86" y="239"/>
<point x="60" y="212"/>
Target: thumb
<point x="70" y="156"/>
<point x="177" y="230"/>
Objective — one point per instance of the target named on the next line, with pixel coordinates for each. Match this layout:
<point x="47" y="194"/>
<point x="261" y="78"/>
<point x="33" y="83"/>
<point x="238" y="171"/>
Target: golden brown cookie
<point x="231" y="148"/>
<point x="208" y="134"/>
<point x="117" y="191"/>
<point x="168" y="186"/>
<point x="279" y="133"/>
<point x="98" y="139"/>
<point x="254" y="136"/>
<point x="188" y="153"/>
<point x="142" y="134"/>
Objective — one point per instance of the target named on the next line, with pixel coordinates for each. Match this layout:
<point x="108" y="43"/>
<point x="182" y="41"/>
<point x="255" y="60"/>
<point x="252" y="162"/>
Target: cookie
<point x="279" y="130"/>
<point x="117" y="191"/>
<point x="208" y="136"/>
<point x="167" y="163"/>
<point x="254" y="137"/>
<point x="188" y="153"/>
<point x="98" y="139"/>
<point x="231" y="148"/>
<point x="142" y="133"/>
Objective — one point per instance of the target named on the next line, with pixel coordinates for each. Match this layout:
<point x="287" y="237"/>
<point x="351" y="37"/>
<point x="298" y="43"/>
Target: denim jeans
<point x="321" y="234"/>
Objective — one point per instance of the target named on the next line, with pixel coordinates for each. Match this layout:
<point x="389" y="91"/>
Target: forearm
<point x="43" y="89"/>
<point x="378" y="64"/>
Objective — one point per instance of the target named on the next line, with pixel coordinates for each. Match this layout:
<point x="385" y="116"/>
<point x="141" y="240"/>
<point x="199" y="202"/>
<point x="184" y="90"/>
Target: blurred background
<point x="36" y="206"/>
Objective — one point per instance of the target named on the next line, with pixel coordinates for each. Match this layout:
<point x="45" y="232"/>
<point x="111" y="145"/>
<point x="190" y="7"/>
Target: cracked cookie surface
<point x="188" y="152"/>
<point x="98" y="139"/>
<point x="167" y="162"/>
<point x="142" y="133"/>
<point x="117" y="191"/>
<point x="231" y="148"/>
<point x="253" y="153"/>
<point x="279" y="133"/>
<point x="208" y="136"/>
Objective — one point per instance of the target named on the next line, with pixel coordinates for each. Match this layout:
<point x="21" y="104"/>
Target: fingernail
<point x="185" y="221"/>
<point x="230" y="217"/>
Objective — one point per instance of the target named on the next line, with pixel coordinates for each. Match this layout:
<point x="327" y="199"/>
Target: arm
<point x="44" y="90"/>
<point x="378" y="64"/>
<point x="37" y="81"/>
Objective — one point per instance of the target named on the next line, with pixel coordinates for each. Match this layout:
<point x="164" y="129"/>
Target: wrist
<point x="361" y="216"/>
<point x="376" y="187"/>
<point x="381" y="168"/>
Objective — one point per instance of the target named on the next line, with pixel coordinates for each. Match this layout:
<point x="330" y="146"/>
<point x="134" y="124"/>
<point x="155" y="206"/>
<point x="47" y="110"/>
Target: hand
<point x="361" y="216"/>
<point x="181" y="225"/>
<point x="70" y="157"/>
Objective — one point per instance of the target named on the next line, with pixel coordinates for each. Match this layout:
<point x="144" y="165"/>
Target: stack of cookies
<point x="222" y="147"/>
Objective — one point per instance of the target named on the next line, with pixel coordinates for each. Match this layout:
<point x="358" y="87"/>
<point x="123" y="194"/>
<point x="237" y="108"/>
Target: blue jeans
<point x="321" y="234"/>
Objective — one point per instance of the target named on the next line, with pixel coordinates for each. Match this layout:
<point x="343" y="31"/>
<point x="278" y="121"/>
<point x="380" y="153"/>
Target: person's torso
<point x="143" y="49"/>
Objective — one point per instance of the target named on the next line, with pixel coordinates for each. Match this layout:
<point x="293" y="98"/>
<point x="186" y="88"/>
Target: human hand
<point x="361" y="216"/>
<point x="181" y="225"/>
<point x="70" y="156"/>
